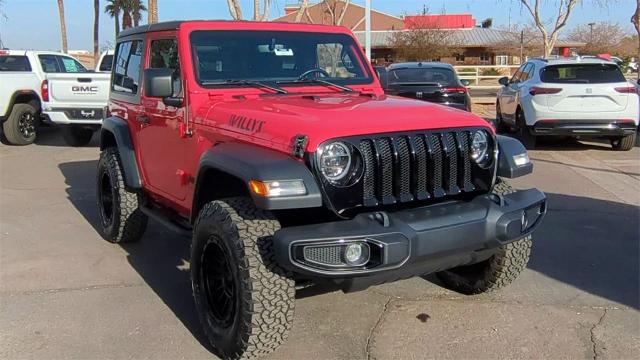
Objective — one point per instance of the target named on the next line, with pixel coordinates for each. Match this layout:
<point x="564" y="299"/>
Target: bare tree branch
<point x="304" y="9"/>
<point x="234" y="9"/>
<point x="565" y="7"/>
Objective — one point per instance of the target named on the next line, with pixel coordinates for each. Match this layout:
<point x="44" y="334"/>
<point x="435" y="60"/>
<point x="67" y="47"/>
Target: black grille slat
<point x="465" y="159"/>
<point x="369" y="176"/>
<point x="383" y="148"/>
<point x="451" y="163"/>
<point x="416" y="167"/>
<point x="436" y="163"/>
<point x="404" y="170"/>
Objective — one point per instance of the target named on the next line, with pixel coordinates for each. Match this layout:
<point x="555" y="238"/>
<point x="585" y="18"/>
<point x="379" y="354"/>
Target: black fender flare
<point x="119" y="129"/>
<point x="507" y="149"/>
<point x="28" y="93"/>
<point x="250" y="162"/>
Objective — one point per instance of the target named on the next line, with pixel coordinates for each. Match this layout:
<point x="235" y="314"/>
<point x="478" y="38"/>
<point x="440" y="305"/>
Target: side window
<point x="516" y="77"/>
<point x="70" y="65"/>
<point x="49" y="63"/>
<point x="128" y="58"/>
<point x="164" y="54"/>
<point x="526" y="73"/>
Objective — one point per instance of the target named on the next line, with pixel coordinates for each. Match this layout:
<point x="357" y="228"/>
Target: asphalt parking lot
<point x="66" y="293"/>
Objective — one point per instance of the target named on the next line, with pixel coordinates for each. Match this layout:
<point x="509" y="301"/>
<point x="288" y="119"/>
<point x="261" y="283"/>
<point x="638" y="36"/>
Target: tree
<point x="63" y="27"/>
<point x="304" y="11"/>
<point x="336" y="15"/>
<point x="153" y="12"/>
<point x="424" y="43"/>
<point x="113" y="9"/>
<point x="258" y="15"/>
<point x="600" y="37"/>
<point x="135" y="8"/>
<point x="96" y="28"/>
<point x="549" y="38"/>
<point x="635" y="19"/>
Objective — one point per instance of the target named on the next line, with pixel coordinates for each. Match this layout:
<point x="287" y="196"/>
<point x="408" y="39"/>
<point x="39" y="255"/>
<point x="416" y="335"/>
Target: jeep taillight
<point x="543" y="91"/>
<point x="44" y="90"/>
<point x="454" y="89"/>
<point x="626" y="89"/>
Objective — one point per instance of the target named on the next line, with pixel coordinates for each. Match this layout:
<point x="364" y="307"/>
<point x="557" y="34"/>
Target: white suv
<point x="569" y="97"/>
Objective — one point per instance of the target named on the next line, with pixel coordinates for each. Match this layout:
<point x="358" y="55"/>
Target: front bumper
<point x="416" y="241"/>
<point x="584" y="128"/>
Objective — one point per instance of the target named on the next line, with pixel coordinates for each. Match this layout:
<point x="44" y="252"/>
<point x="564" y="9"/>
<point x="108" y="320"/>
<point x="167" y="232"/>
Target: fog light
<point x="356" y="254"/>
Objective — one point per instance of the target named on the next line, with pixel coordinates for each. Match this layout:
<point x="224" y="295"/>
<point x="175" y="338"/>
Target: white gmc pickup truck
<point x="40" y="85"/>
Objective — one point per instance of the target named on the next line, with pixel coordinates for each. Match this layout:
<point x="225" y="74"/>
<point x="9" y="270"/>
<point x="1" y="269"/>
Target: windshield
<point x="271" y="56"/>
<point x="435" y="76"/>
<point x="582" y="74"/>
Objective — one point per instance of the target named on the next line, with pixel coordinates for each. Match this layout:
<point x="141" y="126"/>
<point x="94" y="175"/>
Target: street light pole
<point x="591" y="32"/>
<point x="367" y="28"/>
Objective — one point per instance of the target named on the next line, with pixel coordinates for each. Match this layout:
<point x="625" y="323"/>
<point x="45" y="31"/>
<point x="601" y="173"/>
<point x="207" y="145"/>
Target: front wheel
<point x="245" y="301"/>
<point x="121" y="219"/>
<point x="624" y="143"/>
<point x="75" y="135"/>
<point x="500" y="270"/>
<point x="524" y="132"/>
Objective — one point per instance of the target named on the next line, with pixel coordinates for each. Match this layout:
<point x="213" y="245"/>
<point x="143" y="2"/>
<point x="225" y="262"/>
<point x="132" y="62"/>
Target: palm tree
<point x="136" y="8"/>
<point x="113" y="9"/>
<point x="96" y="27"/>
<point x="153" y="12"/>
<point x="63" y="26"/>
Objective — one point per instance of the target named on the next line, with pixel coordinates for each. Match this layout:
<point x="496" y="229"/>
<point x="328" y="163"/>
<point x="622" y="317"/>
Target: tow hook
<point x="380" y="217"/>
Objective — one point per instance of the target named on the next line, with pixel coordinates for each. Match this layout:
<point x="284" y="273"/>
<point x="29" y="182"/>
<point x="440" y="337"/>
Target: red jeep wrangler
<point x="274" y="147"/>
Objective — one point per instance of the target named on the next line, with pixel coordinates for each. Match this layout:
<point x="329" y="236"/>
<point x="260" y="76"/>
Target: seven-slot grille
<point x="416" y="167"/>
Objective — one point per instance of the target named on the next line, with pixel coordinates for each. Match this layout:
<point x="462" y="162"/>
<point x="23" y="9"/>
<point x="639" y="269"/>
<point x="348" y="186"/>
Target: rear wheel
<point x="20" y="126"/>
<point x="76" y="135"/>
<point x="500" y="270"/>
<point x="121" y="219"/>
<point x="624" y="143"/>
<point x="245" y="301"/>
<point x="524" y="131"/>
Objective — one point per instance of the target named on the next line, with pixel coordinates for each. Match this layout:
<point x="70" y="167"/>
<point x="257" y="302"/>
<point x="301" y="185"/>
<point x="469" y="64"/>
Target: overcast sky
<point x="33" y="24"/>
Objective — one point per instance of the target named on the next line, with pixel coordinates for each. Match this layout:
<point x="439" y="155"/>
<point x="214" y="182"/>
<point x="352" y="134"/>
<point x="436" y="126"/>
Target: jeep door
<point x="161" y="141"/>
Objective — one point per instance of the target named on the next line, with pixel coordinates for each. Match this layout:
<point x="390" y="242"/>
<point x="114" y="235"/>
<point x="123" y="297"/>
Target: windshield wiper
<point x="316" y="81"/>
<point x="253" y="83"/>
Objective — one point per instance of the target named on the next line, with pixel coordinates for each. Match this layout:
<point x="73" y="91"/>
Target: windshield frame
<point x="360" y="59"/>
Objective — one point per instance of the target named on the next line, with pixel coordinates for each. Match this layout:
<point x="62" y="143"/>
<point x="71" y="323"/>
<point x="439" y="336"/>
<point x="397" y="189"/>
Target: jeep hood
<point x="275" y="120"/>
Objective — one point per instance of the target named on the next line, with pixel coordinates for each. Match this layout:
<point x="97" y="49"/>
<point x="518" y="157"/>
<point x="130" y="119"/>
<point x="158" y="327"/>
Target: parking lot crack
<point x="60" y="290"/>
<point x="373" y="330"/>
<point x="593" y="335"/>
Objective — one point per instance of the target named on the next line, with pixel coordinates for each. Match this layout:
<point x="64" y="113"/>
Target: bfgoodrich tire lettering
<point x="120" y="217"/>
<point x="500" y="270"/>
<point x="263" y="294"/>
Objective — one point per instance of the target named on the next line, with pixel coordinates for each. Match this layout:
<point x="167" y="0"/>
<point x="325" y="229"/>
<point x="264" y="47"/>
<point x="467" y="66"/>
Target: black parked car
<point x="429" y="81"/>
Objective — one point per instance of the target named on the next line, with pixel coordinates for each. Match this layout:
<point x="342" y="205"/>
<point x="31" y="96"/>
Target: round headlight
<point x="334" y="161"/>
<point x="480" y="148"/>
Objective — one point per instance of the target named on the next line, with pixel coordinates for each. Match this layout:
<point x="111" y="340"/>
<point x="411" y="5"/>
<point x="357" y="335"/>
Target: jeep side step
<point x="163" y="217"/>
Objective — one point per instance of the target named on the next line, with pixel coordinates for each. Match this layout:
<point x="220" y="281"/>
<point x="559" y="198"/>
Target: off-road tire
<point x="75" y="135"/>
<point x="624" y="143"/>
<point x="524" y="131"/>
<point x="500" y="270"/>
<point x="12" y="125"/>
<point x="122" y="221"/>
<point x="263" y="293"/>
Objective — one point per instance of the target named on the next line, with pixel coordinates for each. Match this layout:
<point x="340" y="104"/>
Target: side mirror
<point x="504" y="81"/>
<point x="158" y="82"/>
<point x="465" y="82"/>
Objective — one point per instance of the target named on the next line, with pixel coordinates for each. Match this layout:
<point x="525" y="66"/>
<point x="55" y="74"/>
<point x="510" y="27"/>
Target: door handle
<point x="143" y="120"/>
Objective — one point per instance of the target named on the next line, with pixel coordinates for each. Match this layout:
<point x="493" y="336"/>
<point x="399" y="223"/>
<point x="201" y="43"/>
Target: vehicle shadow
<point x="586" y="243"/>
<point x="160" y="257"/>
<point x="51" y="135"/>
